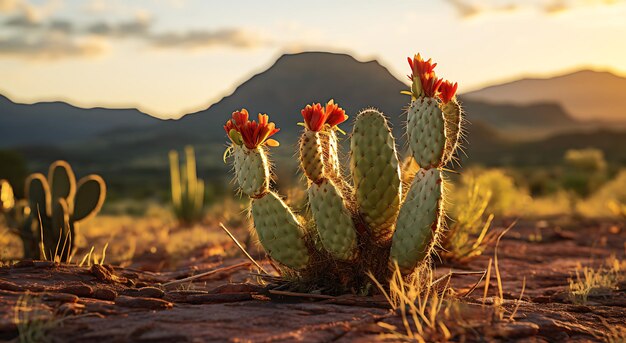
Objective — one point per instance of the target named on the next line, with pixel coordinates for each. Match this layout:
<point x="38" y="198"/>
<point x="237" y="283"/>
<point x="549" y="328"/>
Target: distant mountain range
<point x="59" y="123"/>
<point x="586" y="95"/>
<point x="130" y="148"/>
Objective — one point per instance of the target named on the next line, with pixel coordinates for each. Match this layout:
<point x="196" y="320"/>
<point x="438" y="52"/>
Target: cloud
<point x="237" y="38"/>
<point x="51" y="46"/>
<point x="467" y="9"/>
<point x="8" y="6"/>
<point x="32" y="32"/>
<point x="27" y="15"/>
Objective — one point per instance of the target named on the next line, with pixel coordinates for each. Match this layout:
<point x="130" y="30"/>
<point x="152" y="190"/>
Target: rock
<point x="24" y="264"/>
<point x="70" y="309"/>
<point x="60" y="297"/>
<point x="215" y="298"/>
<point x="10" y="286"/>
<point x="145" y="303"/>
<point x="105" y="275"/>
<point x="145" y="292"/>
<point x="104" y="294"/>
<point x="513" y="330"/>
<point x="80" y="290"/>
<point x="237" y="288"/>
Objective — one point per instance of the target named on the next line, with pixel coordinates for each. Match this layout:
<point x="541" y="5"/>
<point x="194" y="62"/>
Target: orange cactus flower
<point x="315" y="117"/>
<point x="242" y="131"/>
<point x="447" y="91"/>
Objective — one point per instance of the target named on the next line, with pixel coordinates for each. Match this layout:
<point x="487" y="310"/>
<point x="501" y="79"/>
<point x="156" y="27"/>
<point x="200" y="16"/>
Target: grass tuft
<point x="590" y="282"/>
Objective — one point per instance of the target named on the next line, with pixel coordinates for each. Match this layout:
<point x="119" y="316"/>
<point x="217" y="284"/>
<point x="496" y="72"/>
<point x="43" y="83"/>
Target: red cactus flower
<point x="430" y="84"/>
<point x="335" y="115"/>
<point x="240" y="117"/>
<point x="423" y="74"/>
<point x="447" y="91"/>
<point x="250" y="133"/>
<point x="421" y="67"/>
<point x="315" y="117"/>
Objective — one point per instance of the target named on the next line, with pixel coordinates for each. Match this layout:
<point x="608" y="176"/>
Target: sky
<point x="171" y="57"/>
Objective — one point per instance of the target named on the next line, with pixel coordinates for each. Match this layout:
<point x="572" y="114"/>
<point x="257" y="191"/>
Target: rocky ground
<point x="67" y="303"/>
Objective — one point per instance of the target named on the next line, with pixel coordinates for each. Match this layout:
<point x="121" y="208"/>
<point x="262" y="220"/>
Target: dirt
<point x="106" y="303"/>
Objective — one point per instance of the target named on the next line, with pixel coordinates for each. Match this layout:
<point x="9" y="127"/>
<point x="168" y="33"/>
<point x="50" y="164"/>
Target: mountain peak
<point x="586" y="94"/>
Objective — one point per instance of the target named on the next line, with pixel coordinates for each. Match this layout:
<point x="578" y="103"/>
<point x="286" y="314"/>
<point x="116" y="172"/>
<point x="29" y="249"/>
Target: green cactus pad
<point x="252" y="170"/>
<point x="311" y="158"/>
<point x="279" y="231"/>
<point x="419" y="221"/>
<point x="38" y="194"/>
<point x="333" y="220"/>
<point x="452" y="115"/>
<point x="89" y="197"/>
<point x="62" y="181"/>
<point x="376" y="173"/>
<point x="425" y="131"/>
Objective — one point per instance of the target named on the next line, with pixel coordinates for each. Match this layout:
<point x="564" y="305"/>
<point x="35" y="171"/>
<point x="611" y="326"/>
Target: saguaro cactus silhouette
<point x="367" y="225"/>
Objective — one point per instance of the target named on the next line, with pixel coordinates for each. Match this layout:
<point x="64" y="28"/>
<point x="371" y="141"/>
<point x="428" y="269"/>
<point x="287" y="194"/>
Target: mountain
<point x="129" y="149"/>
<point x="59" y="123"/>
<point x="298" y="79"/>
<point x="587" y="95"/>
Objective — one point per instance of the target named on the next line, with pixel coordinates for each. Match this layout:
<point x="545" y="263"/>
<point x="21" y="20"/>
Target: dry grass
<point x="421" y="306"/>
<point x="34" y="319"/>
<point x="469" y="234"/>
<point x="590" y="282"/>
<point x="121" y="238"/>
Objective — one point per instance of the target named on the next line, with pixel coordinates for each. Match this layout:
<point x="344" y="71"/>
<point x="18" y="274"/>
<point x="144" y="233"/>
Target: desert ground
<point x="214" y="293"/>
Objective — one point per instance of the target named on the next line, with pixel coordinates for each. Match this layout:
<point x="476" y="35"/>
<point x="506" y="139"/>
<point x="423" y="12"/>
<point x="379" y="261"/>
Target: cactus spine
<point x="187" y="189"/>
<point x="372" y="224"/>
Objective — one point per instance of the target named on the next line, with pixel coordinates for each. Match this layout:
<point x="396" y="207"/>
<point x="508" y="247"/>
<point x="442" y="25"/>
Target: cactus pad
<point x="376" y="173"/>
<point x="311" y="158"/>
<point x="425" y="131"/>
<point x="252" y="170"/>
<point x="419" y="220"/>
<point x="61" y="180"/>
<point x="89" y="197"/>
<point x="333" y="220"/>
<point x="279" y="231"/>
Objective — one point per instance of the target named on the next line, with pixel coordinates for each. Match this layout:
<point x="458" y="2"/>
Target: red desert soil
<point x="105" y="303"/>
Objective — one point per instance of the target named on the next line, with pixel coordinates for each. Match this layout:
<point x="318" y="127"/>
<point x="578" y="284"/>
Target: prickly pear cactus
<point x="53" y="209"/>
<point x="370" y="224"/>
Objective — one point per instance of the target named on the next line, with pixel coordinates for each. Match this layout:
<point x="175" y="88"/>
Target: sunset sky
<point x="171" y="57"/>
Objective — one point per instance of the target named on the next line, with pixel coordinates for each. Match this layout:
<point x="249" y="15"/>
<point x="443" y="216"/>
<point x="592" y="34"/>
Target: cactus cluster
<point x="47" y="219"/>
<point x="187" y="189"/>
<point x="367" y="221"/>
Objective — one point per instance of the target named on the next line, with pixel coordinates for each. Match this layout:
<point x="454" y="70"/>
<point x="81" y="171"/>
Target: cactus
<point x="16" y="214"/>
<point x="48" y="218"/>
<point x="369" y="225"/>
<point x="187" y="189"/>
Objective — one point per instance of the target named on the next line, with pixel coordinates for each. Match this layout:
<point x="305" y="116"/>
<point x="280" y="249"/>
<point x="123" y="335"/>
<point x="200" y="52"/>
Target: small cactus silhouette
<point x="187" y="189"/>
<point x="47" y="219"/>
<point x="367" y="225"/>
